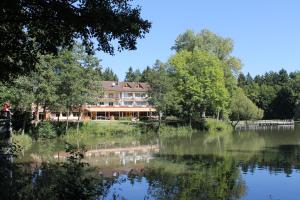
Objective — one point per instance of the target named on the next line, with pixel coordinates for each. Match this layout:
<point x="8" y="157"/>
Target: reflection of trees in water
<point x="276" y="151"/>
<point x="283" y="158"/>
<point x="70" y="180"/>
<point x="197" y="177"/>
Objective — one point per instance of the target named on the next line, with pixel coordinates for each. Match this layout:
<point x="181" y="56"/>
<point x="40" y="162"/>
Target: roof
<point x="125" y="86"/>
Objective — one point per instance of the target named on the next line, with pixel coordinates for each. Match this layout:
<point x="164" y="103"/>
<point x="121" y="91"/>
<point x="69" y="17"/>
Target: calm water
<point x="246" y="165"/>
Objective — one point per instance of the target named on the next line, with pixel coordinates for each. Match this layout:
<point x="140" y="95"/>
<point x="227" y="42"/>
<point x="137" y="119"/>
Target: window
<point x="141" y="103"/>
<point x="137" y="94"/>
<point x="111" y="95"/>
<point x="75" y="114"/>
<point x="100" y="103"/>
<point x="111" y="103"/>
<point x="128" y="103"/>
<point x="128" y="95"/>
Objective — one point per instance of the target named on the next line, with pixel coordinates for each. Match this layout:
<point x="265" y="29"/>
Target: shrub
<point x="213" y="125"/>
<point x="45" y="130"/>
<point x="23" y="142"/>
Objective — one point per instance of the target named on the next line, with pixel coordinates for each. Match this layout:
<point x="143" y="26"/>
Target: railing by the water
<point x="265" y="124"/>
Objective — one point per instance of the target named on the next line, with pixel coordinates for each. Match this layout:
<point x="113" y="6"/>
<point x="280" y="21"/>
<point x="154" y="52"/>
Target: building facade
<point x="121" y="100"/>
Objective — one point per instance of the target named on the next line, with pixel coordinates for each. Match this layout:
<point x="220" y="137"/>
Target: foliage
<point x="166" y="131"/>
<point x="277" y="93"/>
<point x="242" y="108"/>
<point x="163" y="94"/>
<point x="109" y="75"/>
<point x="200" y="82"/>
<point x="22" y="141"/>
<point x="213" y="44"/>
<point x="133" y="76"/>
<point x="32" y="27"/>
<point x="213" y="125"/>
<point x="45" y="130"/>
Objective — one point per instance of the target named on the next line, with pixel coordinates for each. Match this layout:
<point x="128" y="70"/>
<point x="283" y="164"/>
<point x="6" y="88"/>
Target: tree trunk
<point x="159" y="120"/>
<point x="67" y="125"/>
<point x="238" y="120"/>
<point x="58" y="117"/>
<point x="44" y="112"/>
<point x="24" y="123"/>
<point x="36" y="114"/>
<point x="218" y="114"/>
<point x="78" y="120"/>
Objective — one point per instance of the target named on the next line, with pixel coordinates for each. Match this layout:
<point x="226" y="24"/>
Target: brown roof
<point x="125" y="86"/>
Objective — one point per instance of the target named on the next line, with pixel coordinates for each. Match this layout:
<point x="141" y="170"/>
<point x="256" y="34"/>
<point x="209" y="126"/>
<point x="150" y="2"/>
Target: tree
<point x="242" y="108"/>
<point x="109" y="75"/>
<point x="277" y="93"/>
<point x="163" y="94"/>
<point x="22" y="97"/>
<point x="29" y="28"/>
<point x="146" y="75"/>
<point x="200" y="82"/>
<point x="284" y="104"/>
<point x="213" y="44"/>
<point x="241" y="80"/>
<point x="43" y="83"/>
<point x="130" y="76"/>
<point x="79" y="80"/>
<point x="133" y="76"/>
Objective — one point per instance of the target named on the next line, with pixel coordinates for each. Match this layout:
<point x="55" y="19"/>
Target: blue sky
<point x="266" y="33"/>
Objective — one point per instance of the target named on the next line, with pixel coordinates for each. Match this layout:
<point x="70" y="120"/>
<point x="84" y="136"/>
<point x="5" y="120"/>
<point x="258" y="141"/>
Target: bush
<point x="213" y="125"/>
<point x="45" y="130"/>
<point x="23" y="142"/>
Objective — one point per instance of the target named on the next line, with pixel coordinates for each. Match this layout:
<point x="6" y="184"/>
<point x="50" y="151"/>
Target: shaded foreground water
<point x="246" y="165"/>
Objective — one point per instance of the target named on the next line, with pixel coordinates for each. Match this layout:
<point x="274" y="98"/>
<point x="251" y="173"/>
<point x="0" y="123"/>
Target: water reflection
<point x="244" y="165"/>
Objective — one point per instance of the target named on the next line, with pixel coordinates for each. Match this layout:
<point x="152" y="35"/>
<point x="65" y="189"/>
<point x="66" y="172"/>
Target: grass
<point x="171" y="131"/>
<point x="104" y="133"/>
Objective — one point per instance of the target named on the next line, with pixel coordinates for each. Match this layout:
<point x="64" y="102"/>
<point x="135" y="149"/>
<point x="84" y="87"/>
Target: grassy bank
<point x="104" y="133"/>
<point x="122" y="133"/>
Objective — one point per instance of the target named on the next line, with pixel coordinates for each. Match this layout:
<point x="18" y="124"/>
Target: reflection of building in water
<point x="116" y="157"/>
<point x="121" y="156"/>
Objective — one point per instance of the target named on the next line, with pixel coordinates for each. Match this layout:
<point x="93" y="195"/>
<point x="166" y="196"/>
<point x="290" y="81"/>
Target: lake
<point x="261" y="164"/>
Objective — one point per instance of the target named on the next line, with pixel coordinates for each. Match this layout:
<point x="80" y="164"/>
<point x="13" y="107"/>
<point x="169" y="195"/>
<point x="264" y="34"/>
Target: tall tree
<point x="109" y="75"/>
<point x="78" y="79"/>
<point x="29" y="28"/>
<point x="130" y="76"/>
<point x="146" y="74"/>
<point x="216" y="45"/>
<point x="200" y="81"/>
<point x="163" y="94"/>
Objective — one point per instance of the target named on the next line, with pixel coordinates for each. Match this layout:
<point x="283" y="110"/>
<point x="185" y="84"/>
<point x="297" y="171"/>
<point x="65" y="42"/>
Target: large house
<point x="119" y="100"/>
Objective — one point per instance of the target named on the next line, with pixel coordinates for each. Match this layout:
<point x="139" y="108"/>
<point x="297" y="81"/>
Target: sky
<point x="266" y="33"/>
